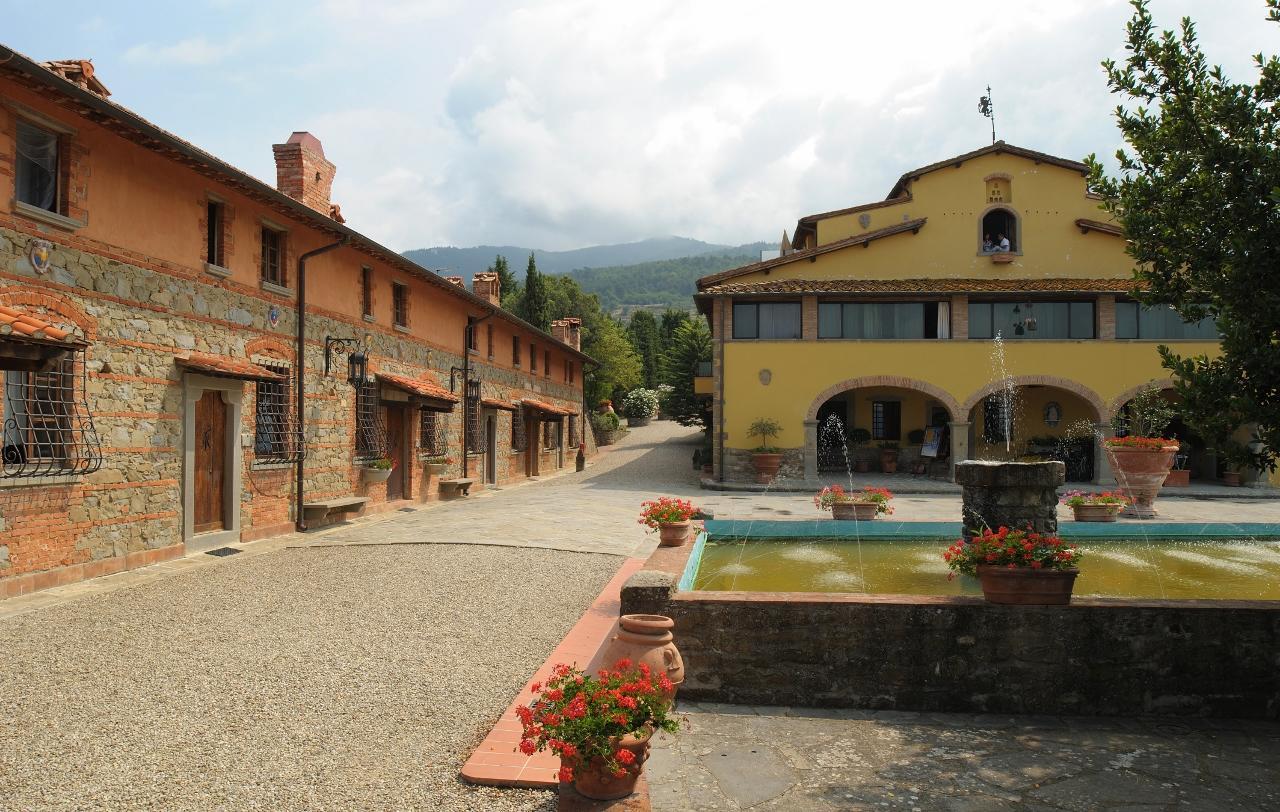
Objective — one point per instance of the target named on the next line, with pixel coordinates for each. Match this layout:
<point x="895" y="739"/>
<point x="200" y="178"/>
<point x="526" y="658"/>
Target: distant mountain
<point x="467" y="261"/>
<point x="662" y="284"/>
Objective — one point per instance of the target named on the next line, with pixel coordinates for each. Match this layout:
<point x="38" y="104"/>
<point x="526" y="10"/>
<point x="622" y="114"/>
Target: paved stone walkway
<point x="804" y="760"/>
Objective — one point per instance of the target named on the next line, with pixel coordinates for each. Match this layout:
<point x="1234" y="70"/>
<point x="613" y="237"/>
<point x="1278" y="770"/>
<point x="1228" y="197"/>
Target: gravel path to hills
<point x="347" y="678"/>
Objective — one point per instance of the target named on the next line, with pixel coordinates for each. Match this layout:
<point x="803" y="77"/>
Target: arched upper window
<point x="1000" y="232"/>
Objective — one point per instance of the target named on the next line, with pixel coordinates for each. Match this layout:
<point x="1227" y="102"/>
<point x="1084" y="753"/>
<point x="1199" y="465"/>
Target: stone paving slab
<point x="811" y="760"/>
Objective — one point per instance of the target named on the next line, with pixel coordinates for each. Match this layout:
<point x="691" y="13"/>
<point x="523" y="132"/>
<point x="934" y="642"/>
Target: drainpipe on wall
<point x="300" y="521"/>
<point x="467" y="332"/>
<point x="718" y="425"/>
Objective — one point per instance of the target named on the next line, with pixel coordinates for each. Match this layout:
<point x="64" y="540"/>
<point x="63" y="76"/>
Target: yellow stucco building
<point x="886" y="316"/>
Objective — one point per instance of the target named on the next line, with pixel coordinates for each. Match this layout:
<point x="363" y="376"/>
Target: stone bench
<point x="315" y="511"/>
<point x="460" y="486"/>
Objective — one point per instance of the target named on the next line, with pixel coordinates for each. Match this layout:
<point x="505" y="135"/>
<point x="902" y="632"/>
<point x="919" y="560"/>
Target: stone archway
<point x="1102" y="413"/>
<point x="1118" y="402"/>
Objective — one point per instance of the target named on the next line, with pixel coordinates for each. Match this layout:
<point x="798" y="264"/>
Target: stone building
<point x="150" y="305"/>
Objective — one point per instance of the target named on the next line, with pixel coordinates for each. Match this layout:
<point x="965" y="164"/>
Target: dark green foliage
<point x="671" y="321"/>
<point x="689" y="346"/>
<point x="533" y="303"/>
<point x="643" y="333"/>
<point x="509" y="286"/>
<point x="1197" y="194"/>
<point x="668" y="283"/>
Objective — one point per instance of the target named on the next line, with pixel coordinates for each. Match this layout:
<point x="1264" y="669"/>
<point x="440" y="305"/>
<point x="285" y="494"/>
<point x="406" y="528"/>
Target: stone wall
<point x="1094" y="657"/>
<point x="1009" y="494"/>
<point x="738" y="467"/>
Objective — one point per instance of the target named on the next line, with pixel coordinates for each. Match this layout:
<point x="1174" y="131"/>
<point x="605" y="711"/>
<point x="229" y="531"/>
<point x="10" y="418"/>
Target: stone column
<point x="1010" y="494"/>
<point x="811" y="450"/>
<point x="1107" y="317"/>
<point x="959" y="318"/>
<point x="1102" y="473"/>
<point x="959" y="444"/>
<point x="809" y="318"/>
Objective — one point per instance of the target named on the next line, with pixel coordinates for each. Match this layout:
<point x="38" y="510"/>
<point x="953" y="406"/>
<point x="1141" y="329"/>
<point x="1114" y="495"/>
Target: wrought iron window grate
<point x="572" y="438"/>
<point x="475" y="430"/>
<point x="551" y="434"/>
<point x="433" y="440"/>
<point x="519" y="434"/>
<point x="48" y="430"/>
<point x="276" y="437"/>
<point x="371" y="434"/>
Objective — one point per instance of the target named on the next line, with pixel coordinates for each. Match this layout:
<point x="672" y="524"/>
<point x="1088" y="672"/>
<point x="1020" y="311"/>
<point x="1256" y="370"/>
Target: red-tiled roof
<point x="225" y="367"/>
<point x="419" y="386"/>
<point x="494" y="403"/>
<point x="543" y="406"/>
<point x="921" y="286"/>
<point x="857" y="239"/>
<point x="14" y="322"/>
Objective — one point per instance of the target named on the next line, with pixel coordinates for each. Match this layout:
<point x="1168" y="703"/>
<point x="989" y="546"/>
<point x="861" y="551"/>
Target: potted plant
<point x="1095" y="507"/>
<point x="599" y="725"/>
<point x="889" y="457"/>
<point x="765" y="458"/>
<point x="670" y="517"/>
<point x="436" y="463"/>
<point x="915" y="438"/>
<point x="1017" y="567"/>
<point x="858" y="438"/>
<point x="639" y="406"/>
<point x="1180" y="475"/>
<point x="1142" y="458"/>
<point x="862" y="506"/>
<point x="606" y="406"/>
<point x="377" y="470"/>
<point x="608" y="429"/>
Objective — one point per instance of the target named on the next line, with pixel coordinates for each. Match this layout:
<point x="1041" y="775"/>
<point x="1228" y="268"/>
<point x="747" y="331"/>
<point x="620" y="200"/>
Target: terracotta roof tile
<point x="423" y="387"/>
<point x="225" y="367"/>
<point x="921" y="286"/>
<point x="857" y="239"/>
<point x="16" y="322"/>
<point x="543" y="406"/>
<point x="494" y="403"/>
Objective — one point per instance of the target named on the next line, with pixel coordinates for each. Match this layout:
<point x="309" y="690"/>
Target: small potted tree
<point x="672" y="518"/>
<point x="1095" y="507"/>
<point x="1017" y="567"/>
<point x="889" y="457"/>
<point x="862" y="506"/>
<point x="858" y="439"/>
<point x="765" y="458"/>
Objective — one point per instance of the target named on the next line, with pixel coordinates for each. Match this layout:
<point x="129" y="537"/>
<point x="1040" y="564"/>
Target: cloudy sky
<point x="564" y="123"/>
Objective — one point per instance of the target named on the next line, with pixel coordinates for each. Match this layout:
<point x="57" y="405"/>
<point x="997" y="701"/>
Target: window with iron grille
<point x="475" y="429"/>
<point x="551" y="435"/>
<point x="275" y="438"/>
<point x="48" y="430"/>
<point x="366" y="291"/>
<point x="432" y="442"/>
<point x="519" y="435"/>
<point x="273" y="256"/>
<point x="886" y="420"/>
<point x="371" y="435"/>
<point x="400" y="304"/>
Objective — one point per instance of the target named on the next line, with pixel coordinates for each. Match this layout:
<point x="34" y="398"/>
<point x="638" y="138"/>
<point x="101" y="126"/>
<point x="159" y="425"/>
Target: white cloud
<point x="190" y="52"/>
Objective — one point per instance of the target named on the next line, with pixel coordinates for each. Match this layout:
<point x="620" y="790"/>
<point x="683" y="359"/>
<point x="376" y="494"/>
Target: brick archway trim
<point x="869" y="381"/>
<point x="269" y="346"/>
<point x="56" y="306"/>
<point x="1088" y="395"/>
<point x="1129" y="394"/>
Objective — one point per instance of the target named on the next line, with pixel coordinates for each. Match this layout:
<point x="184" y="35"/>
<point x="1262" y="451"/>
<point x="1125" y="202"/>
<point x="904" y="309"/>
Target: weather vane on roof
<point x="987" y="109"/>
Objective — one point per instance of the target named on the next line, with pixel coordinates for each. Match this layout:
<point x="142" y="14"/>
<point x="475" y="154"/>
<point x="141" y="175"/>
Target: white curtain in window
<point x="944" y="319"/>
<point x="38" y="164"/>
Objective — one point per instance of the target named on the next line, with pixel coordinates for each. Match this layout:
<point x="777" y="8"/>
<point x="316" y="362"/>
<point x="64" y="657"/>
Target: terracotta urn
<point x="1023" y="586"/>
<point x="766" y="465"/>
<point x="673" y="534"/>
<point x="1178" y="478"/>
<point x="592" y="780"/>
<point x="889" y="460"/>
<point x="1141" y="472"/>
<point x="854" y="511"/>
<point x="1095" y="513"/>
<point x="646" y="639"/>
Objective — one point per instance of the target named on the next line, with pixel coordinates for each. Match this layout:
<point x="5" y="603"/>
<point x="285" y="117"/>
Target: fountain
<point x="1009" y="494"/>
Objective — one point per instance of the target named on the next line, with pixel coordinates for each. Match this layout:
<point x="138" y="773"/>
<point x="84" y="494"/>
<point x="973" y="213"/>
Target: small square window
<point x="273" y="256"/>
<point x="400" y="304"/>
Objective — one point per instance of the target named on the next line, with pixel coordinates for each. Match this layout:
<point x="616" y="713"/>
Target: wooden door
<point x="395" y="450"/>
<point x="534" y="445"/>
<point x="210" y="462"/>
<point x="491" y="450"/>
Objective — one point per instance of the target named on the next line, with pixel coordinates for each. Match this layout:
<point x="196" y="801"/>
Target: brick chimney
<point x="568" y="330"/>
<point x="455" y="280"/>
<point x="303" y="173"/>
<point x="80" y="73"/>
<point x="488" y="287"/>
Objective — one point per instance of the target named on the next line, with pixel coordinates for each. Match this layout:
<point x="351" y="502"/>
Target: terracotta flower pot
<point x="373" y="475"/>
<point x="1095" y="513"/>
<point x="1140" y="473"/>
<point x="889" y="460"/>
<point x="673" y="534"/>
<point x="854" y="511"/>
<point x="1178" y="478"/>
<point x="766" y="466"/>
<point x="593" y="781"/>
<point x="1231" y="478"/>
<point x="862" y="465"/>
<point x="1022" y="586"/>
<point x="646" y="639"/>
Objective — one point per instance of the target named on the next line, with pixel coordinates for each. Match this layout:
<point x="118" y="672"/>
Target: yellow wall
<point x="801" y="370"/>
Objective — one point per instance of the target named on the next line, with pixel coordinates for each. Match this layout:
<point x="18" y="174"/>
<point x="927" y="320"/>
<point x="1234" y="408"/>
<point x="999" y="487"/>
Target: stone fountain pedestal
<point x="1012" y="494"/>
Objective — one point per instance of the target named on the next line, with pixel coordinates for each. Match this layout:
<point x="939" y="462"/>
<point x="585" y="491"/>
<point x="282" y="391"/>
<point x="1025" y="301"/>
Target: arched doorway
<point x="1038" y="417"/>
<point x="1194" y="456"/>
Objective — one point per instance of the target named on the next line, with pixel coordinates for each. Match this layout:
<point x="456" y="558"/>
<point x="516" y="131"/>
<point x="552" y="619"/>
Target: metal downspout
<point x="467" y="332"/>
<point x="718" y="425"/>
<point x="300" y="521"/>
